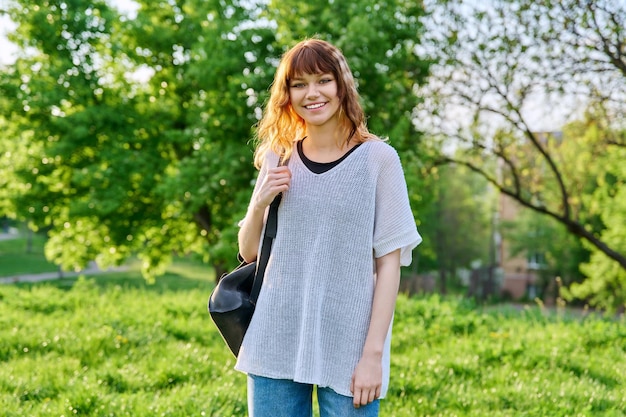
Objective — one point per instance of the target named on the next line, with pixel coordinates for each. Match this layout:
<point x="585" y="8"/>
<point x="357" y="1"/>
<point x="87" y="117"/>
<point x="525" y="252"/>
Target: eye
<point x="326" y="80"/>
<point x="297" y="84"/>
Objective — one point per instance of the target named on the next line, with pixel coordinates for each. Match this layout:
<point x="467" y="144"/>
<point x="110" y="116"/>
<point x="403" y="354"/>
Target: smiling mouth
<point x="315" y="106"/>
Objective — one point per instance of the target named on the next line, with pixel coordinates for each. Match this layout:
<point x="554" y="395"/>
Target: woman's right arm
<point x="276" y="181"/>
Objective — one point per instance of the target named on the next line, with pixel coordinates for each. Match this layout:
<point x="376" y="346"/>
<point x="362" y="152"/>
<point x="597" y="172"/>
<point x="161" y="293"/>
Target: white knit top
<point x="314" y="309"/>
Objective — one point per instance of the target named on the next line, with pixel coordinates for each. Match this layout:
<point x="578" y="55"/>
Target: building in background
<point x="520" y="273"/>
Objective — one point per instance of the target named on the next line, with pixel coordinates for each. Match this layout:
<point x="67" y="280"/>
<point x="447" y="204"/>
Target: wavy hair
<point x="280" y="125"/>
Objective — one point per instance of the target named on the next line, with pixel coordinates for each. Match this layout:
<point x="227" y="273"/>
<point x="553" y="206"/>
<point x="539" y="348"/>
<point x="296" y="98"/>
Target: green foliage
<point x="509" y="76"/>
<point x="132" y="135"/>
<point x="115" y="345"/>
<point x="457" y="224"/>
<point x="129" y="135"/>
<point x="379" y="41"/>
<point x="561" y="252"/>
<point x="606" y="285"/>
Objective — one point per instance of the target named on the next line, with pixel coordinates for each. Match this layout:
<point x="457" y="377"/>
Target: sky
<point x="7" y="49"/>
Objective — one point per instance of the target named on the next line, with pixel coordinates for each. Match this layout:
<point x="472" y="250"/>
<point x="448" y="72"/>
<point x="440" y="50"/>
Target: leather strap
<point x="266" y="246"/>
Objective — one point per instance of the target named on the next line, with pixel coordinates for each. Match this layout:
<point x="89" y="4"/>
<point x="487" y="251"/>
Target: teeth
<point x="315" y="106"/>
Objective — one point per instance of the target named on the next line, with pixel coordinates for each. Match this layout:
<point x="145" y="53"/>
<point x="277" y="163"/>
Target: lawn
<point x="24" y="255"/>
<point x="112" y="345"/>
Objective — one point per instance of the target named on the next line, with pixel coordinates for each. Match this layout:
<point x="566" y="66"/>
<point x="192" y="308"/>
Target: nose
<point x="312" y="90"/>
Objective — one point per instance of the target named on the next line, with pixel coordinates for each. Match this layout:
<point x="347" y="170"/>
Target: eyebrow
<point x="322" y="74"/>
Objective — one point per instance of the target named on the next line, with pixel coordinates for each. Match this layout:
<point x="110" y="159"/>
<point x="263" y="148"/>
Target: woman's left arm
<point x="367" y="377"/>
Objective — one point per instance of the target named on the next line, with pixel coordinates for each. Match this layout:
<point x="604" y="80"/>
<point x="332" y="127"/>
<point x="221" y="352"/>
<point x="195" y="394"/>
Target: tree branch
<point x="574" y="227"/>
<point x="520" y="123"/>
<point x="615" y="58"/>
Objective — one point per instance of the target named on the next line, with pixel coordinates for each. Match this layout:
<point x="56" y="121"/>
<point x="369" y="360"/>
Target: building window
<point x="536" y="260"/>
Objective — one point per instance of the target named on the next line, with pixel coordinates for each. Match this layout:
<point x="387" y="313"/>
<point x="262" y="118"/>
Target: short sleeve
<point x="394" y="224"/>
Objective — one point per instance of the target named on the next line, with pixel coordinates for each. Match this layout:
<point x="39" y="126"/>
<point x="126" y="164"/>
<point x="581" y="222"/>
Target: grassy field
<point x="18" y="257"/>
<point x="111" y="345"/>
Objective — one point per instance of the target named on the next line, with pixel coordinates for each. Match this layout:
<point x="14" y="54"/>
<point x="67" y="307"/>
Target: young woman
<point x="323" y="317"/>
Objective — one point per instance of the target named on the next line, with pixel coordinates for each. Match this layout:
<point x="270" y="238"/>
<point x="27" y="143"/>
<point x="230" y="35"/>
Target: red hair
<point x="280" y="126"/>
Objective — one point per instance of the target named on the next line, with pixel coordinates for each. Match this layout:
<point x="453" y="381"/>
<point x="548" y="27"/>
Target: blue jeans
<point x="269" y="397"/>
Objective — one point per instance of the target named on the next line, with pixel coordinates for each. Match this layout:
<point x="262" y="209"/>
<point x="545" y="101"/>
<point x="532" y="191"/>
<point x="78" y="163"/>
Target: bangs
<point x="310" y="60"/>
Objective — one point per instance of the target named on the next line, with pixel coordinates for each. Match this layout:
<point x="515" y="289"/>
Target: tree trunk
<point x="443" y="285"/>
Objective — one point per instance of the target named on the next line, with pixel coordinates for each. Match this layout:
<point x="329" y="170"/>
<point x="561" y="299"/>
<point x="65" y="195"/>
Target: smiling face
<point x="314" y="98"/>
<point x="295" y="106"/>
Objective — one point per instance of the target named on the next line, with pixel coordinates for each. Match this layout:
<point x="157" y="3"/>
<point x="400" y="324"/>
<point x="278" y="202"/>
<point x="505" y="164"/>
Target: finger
<point x="356" y="400"/>
<point x="273" y="187"/>
<point x="280" y="171"/>
<point x="372" y="396"/>
<point x="279" y="181"/>
<point x="284" y="170"/>
<point x="279" y="185"/>
<point x="365" y="397"/>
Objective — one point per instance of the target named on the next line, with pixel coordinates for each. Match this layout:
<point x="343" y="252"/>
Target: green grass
<point x="16" y="258"/>
<point x="452" y="359"/>
<point x="112" y="345"/>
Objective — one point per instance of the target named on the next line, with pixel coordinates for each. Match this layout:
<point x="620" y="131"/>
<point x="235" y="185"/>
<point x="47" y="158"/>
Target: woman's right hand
<point x="276" y="181"/>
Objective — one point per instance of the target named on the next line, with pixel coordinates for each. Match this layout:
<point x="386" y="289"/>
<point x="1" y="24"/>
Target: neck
<point x="325" y="146"/>
<point x="323" y="137"/>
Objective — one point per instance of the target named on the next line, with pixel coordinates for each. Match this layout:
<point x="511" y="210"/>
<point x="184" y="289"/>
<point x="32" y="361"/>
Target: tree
<point x="606" y="283"/>
<point x="457" y="226"/>
<point x="497" y="62"/>
<point x="380" y="42"/>
<point x="115" y="163"/>
<point x="561" y="252"/>
<point x="130" y="135"/>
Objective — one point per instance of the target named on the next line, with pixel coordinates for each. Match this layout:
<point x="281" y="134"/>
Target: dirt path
<point x="47" y="276"/>
<point x="8" y="236"/>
